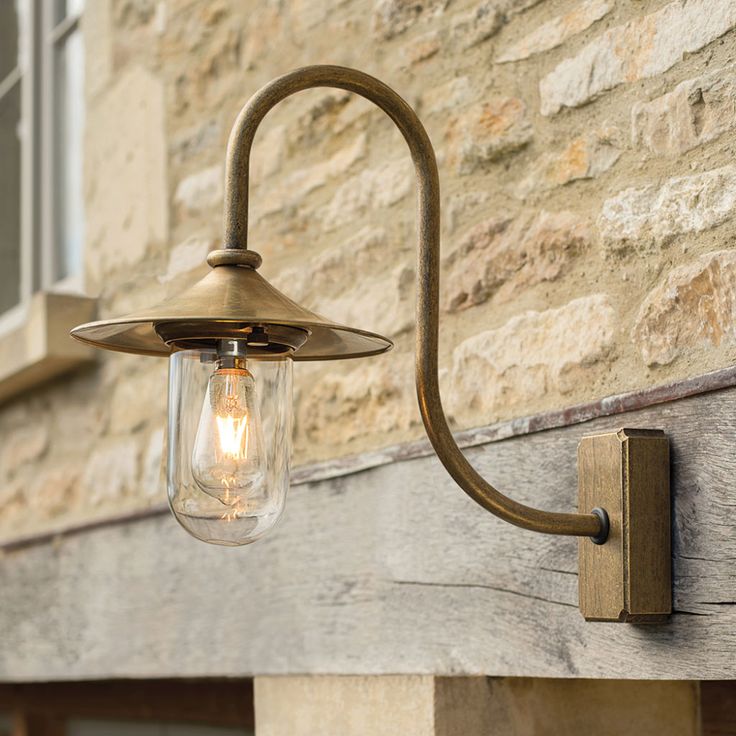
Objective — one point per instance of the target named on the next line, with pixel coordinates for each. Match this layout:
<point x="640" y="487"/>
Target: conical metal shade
<point x="228" y="302"/>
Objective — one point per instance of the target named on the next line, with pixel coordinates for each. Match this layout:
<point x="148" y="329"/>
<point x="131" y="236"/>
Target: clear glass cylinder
<point x="241" y="516"/>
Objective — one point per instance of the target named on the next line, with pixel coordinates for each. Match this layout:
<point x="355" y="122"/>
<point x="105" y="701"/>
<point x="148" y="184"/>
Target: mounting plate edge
<point x="629" y="578"/>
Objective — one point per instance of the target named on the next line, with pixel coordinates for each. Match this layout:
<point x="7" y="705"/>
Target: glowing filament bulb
<point x="228" y="459"/>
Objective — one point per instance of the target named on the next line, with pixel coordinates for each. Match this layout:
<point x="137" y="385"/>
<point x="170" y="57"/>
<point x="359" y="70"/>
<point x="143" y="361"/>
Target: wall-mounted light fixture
<point x="229" y="442"/>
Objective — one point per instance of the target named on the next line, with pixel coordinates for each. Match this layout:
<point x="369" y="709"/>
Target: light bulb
<point x="228" y="457"/>
<point x="229" y="441"/>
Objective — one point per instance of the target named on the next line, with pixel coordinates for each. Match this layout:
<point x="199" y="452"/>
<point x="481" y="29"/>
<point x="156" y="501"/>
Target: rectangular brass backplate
<point x="629" y="578"/>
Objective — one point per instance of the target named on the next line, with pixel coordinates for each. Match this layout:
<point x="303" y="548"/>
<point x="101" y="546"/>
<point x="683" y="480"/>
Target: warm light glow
<point x="233" y="434"/>
<point x="228" y="460"/>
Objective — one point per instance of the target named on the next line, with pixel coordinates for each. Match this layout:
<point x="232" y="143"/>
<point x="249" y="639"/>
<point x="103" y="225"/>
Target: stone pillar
<point x="472" y="706"/>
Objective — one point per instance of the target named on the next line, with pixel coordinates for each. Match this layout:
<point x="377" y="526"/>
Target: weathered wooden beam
<point x="390" y="570"/>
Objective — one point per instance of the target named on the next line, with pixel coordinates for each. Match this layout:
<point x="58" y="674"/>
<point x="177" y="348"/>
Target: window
<point x="41" y="134"/>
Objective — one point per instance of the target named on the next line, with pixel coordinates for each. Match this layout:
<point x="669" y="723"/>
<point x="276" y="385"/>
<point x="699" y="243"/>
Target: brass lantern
<point x="232" y="338"/>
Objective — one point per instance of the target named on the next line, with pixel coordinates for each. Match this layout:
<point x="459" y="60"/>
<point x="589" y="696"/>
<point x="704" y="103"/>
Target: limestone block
<point x="555" y="32"/>
<point x="24" y="445"/>
<point x="450" y="95"/>
<point x="584" y="157"/>
<point x="342" y="404"/>
<point x="111" y="473"/>
<point x="697" y="111"/>
<point x="652" y="216"/>
<point x="533" y="354"/>
<point x="289" y="191"/>
<point x="478" y="24"/>
<point x="644" y="47"/>
<point x="694" y="307"/>
<point x="138" y="399"/>
<point x="153" y="484"/>
<point x="382" y="186"/>
<point x="186" y="257"/>
<point x="393" y="17"/>
<point x="487" y="131"/>
<point x="422" y="48"/>
<point x="200" y="191"/>
<point x="126" y="193"/>
<point x="268" y="153"/>
<point x="497" y="258"/>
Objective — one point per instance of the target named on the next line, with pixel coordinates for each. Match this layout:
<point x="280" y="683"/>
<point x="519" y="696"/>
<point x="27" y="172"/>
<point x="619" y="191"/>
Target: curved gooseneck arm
<point x="428" y="255"/>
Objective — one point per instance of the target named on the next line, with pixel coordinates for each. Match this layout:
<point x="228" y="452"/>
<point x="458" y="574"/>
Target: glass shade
<point x="221" y="446"/>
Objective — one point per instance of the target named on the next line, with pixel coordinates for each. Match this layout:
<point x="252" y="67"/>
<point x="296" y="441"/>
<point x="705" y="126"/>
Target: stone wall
<point x="585" y="149"/>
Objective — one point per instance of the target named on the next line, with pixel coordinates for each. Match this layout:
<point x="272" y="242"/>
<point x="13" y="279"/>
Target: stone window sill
<point x="39" y="347"/>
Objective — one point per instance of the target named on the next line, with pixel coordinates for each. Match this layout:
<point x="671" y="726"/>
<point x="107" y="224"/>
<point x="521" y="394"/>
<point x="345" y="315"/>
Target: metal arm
<point x="428" y="284"/>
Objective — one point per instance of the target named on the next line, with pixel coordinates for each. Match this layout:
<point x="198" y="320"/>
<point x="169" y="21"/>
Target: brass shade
<point x="228" y="302"/>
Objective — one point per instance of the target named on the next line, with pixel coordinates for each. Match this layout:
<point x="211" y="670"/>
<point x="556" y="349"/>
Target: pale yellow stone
<point x="694" y="307"/>
<point x="126" y="189"/>
<point x="533" y="354"/>
<point x="486" y="131"/>
<point x="344" y="706"/>
<point x="697" y="111"/>
<point x="382" y="186"/>
<point x="555" y="32"/>
<point x="584" y="157"/>
<point x="498" y="258"/>
<point x="652" y="216"/>
<point x="645" y="46"/>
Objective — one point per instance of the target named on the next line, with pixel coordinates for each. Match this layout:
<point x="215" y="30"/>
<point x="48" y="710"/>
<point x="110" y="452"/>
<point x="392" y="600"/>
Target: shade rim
<point x="361" y="343"/>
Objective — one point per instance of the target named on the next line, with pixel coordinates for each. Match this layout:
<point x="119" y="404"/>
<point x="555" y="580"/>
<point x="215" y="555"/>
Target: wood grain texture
<point x="627" y="579"/>
<point x="391" y="570"/>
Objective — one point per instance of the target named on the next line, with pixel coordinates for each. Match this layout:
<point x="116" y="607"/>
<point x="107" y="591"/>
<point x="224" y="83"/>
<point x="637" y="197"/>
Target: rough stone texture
<point x="383" y="303"/>
<point x="555" y="32"/>
<point x="497" y="258"/>
<point x="696" y="111"/>
<point x="371" y="189"/>
<point x="488" y="131"/>
<point x="531" y="354"/>
<point x="126" y="192"/>
<point x="422" y="48"/>
<point x="292" y="189"/>
<point x="538" y="211"/>
<point x="450" y="95"/>
<point x="654" y="215"/>
<point x="472" y="27"/>
<point x="585" y="157"/>
<point x="644" y="47"/>
<point x="380" y="393"/>
<point x="693" y="308"/>
<point x="200" y="191"/>
<point x="393" y="17"/>
<point x="111" y="472"/>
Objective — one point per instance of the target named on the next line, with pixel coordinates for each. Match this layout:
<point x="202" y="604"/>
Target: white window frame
<point x="39" y="101"/>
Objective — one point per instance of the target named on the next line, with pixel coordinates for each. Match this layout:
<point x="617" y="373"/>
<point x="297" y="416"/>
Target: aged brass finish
<point x="233" y="298"/>
<point x="628" y="579"/>
<point x="226" y="303"/>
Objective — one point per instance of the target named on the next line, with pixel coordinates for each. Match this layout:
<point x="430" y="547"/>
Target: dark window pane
<point x="8" y="37"/>
<point x="10" y="198"/>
